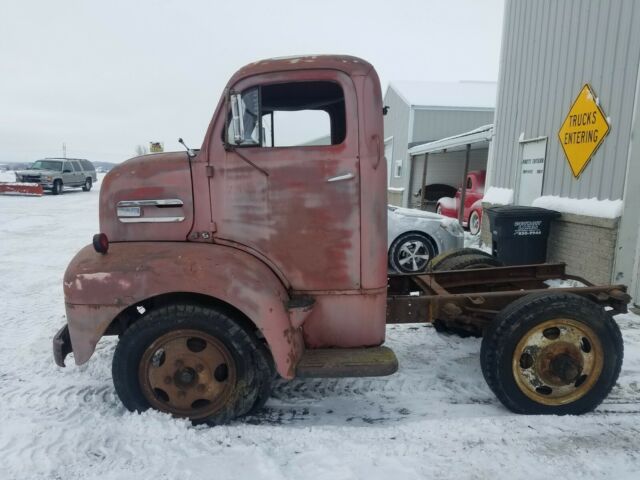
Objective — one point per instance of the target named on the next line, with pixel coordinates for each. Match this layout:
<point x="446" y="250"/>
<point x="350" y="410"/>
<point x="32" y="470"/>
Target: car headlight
<point x="452" y="226"/>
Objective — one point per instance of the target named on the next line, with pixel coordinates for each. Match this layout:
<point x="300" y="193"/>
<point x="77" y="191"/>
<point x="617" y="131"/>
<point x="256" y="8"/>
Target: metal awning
<point x="460" y="141"/>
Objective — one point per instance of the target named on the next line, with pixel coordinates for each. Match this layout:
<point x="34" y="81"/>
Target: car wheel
<point x="57" y="187"/>
<point x="411" y="252"/>
<point x="439" y="209"/>
<point x="194" y="362"/>
<point x="87" y="185"/>
<point x="474" y="223"/>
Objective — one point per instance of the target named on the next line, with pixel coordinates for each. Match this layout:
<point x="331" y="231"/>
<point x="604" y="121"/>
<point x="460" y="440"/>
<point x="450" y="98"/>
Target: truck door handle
<point x="339" y="178"/>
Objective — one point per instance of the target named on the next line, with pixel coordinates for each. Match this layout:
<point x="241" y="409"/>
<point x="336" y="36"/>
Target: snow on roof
<point x="457" y="95"/>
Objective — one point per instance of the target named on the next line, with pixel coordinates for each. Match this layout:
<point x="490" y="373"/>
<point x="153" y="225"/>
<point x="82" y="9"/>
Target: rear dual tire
<point x="552" y="353"/>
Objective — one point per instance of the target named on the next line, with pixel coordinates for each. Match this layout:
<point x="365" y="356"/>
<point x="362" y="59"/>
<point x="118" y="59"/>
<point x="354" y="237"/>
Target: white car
<point x="416" y="236"/>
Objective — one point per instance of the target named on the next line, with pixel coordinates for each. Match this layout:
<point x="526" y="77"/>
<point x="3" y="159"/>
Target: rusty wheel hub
<point x="557" y="362"/>
<point x="187" y="373"/>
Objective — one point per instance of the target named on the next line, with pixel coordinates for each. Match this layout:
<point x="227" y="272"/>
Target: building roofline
<point x="478" y="135"/>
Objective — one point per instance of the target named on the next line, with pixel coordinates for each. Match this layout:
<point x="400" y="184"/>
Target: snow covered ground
<point x="435" y="418"/>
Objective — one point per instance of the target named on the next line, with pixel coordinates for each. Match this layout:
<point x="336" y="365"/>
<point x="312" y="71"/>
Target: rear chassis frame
<point x="468" y="300"/>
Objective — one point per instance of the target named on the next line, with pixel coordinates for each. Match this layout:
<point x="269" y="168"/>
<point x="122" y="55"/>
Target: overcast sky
<point x="105" y="76"/>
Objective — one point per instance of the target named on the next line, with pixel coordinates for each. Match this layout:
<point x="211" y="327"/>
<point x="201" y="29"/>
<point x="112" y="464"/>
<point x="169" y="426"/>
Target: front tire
<point x="191" y="361"/>
<point x="88" y="183"/>
<point x="552" y="353"/>
<point x="411" y="252"/>
<point x="57" y="187"/>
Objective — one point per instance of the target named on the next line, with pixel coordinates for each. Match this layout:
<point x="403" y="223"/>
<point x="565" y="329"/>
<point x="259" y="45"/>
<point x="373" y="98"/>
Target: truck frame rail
<point x="468" y="300"/>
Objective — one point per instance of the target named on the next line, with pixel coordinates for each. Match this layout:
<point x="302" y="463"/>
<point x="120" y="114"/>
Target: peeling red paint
<point x="256" y="226"/>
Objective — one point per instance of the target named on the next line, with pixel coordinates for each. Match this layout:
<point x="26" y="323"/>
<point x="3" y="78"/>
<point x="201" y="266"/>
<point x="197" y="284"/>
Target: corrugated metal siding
<point x="430" y="125"/>
<point x="550" y="49"/>
<point x="396" y="124"/>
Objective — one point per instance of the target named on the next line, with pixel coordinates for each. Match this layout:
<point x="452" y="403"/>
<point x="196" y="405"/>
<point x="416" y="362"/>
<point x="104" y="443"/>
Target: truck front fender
<point x="98" y="288"/>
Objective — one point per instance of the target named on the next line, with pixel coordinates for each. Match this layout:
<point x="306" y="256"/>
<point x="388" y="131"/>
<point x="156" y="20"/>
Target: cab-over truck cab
<point x="248" y="256"/>
<point x="259" y="255"/>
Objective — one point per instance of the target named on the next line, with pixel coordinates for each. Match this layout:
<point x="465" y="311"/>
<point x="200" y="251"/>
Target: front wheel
<point x="552" y="353"/>
<point x="88" y="183"/>
<point x="57" y="187"/>
<point x="410" y="253"/>
<point x="193" y="362"/>
<point x="474" y="223"/>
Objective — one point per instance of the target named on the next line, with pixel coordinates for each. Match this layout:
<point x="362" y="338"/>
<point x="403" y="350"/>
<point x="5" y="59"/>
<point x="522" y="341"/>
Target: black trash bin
<point x="519" y="234"/>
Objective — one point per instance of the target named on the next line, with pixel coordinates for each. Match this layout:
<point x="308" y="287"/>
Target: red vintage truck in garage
<point x="222" y="267"/>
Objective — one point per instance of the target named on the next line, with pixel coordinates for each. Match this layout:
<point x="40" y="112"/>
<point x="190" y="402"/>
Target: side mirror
<point x="238" y="126"/>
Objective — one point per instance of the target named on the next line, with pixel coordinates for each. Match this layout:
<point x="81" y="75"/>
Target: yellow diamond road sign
<point x="583" y="130"/>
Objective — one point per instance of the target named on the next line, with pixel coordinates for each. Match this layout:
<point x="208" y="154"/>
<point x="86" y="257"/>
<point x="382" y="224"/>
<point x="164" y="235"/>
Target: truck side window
<point x="292" y="114"/>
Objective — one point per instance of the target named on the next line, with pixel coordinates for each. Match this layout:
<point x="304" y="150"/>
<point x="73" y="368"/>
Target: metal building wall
<point x="550" y="49"/>
<point x="431" y="124"/>
<point x="396" y="124"/>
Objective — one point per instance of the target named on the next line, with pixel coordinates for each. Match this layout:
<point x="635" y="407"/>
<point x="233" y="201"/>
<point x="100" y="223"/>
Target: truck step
<point x="347" y="362"/>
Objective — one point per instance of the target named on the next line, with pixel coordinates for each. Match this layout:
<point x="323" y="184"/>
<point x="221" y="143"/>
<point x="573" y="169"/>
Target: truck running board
<point x="347" y="362"/>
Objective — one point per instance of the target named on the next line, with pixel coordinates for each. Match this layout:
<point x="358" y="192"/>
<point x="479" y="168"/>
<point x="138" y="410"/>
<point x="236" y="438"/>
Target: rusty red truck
<point x="222" y="268"/>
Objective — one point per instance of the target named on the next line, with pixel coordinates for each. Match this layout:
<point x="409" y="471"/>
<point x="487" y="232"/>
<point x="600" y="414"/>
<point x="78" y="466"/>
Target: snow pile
<point x="498" y="196"/>
<point x="591" y="207"/>
<point x="7" y="176"/>
<point x="448" y="203"/>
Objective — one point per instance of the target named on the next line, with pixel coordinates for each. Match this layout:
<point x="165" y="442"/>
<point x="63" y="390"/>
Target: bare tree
<point x="141" y="150"/>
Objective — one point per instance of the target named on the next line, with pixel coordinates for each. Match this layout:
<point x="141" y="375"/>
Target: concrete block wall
<point x="394" y="198"/>
<point x="586" y="244"/>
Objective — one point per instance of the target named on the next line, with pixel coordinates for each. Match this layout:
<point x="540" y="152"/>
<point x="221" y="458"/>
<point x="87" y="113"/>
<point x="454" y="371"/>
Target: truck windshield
<point x="46" y="165"/>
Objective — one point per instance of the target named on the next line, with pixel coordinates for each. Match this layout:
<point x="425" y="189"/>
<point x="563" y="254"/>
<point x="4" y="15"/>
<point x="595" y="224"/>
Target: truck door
<point x="290" y="187"/>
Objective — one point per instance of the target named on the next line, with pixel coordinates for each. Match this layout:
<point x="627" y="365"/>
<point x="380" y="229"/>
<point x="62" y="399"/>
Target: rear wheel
<point x="461" y="259"/>
<point x="552" y="353"/>
<point x="411" y="252"/>
<point x="57" y="187"/>
<point x="436" y="264"/>
<point x="191" y="361"/>
<point x="88" y="183"/>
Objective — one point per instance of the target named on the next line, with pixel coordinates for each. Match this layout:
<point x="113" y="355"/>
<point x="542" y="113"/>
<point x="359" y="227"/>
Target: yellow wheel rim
<point x="557" y="362"/>
<point x="187" y="373"/>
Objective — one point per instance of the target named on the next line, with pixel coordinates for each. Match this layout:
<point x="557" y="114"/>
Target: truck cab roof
<point x="353" y="66"/>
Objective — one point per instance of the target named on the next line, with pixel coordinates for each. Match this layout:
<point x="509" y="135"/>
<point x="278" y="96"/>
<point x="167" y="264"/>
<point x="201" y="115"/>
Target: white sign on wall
<point x="532" y="170"/>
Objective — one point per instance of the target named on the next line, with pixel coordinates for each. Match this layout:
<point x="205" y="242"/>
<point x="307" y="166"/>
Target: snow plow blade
<point x="26" y="189"/>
